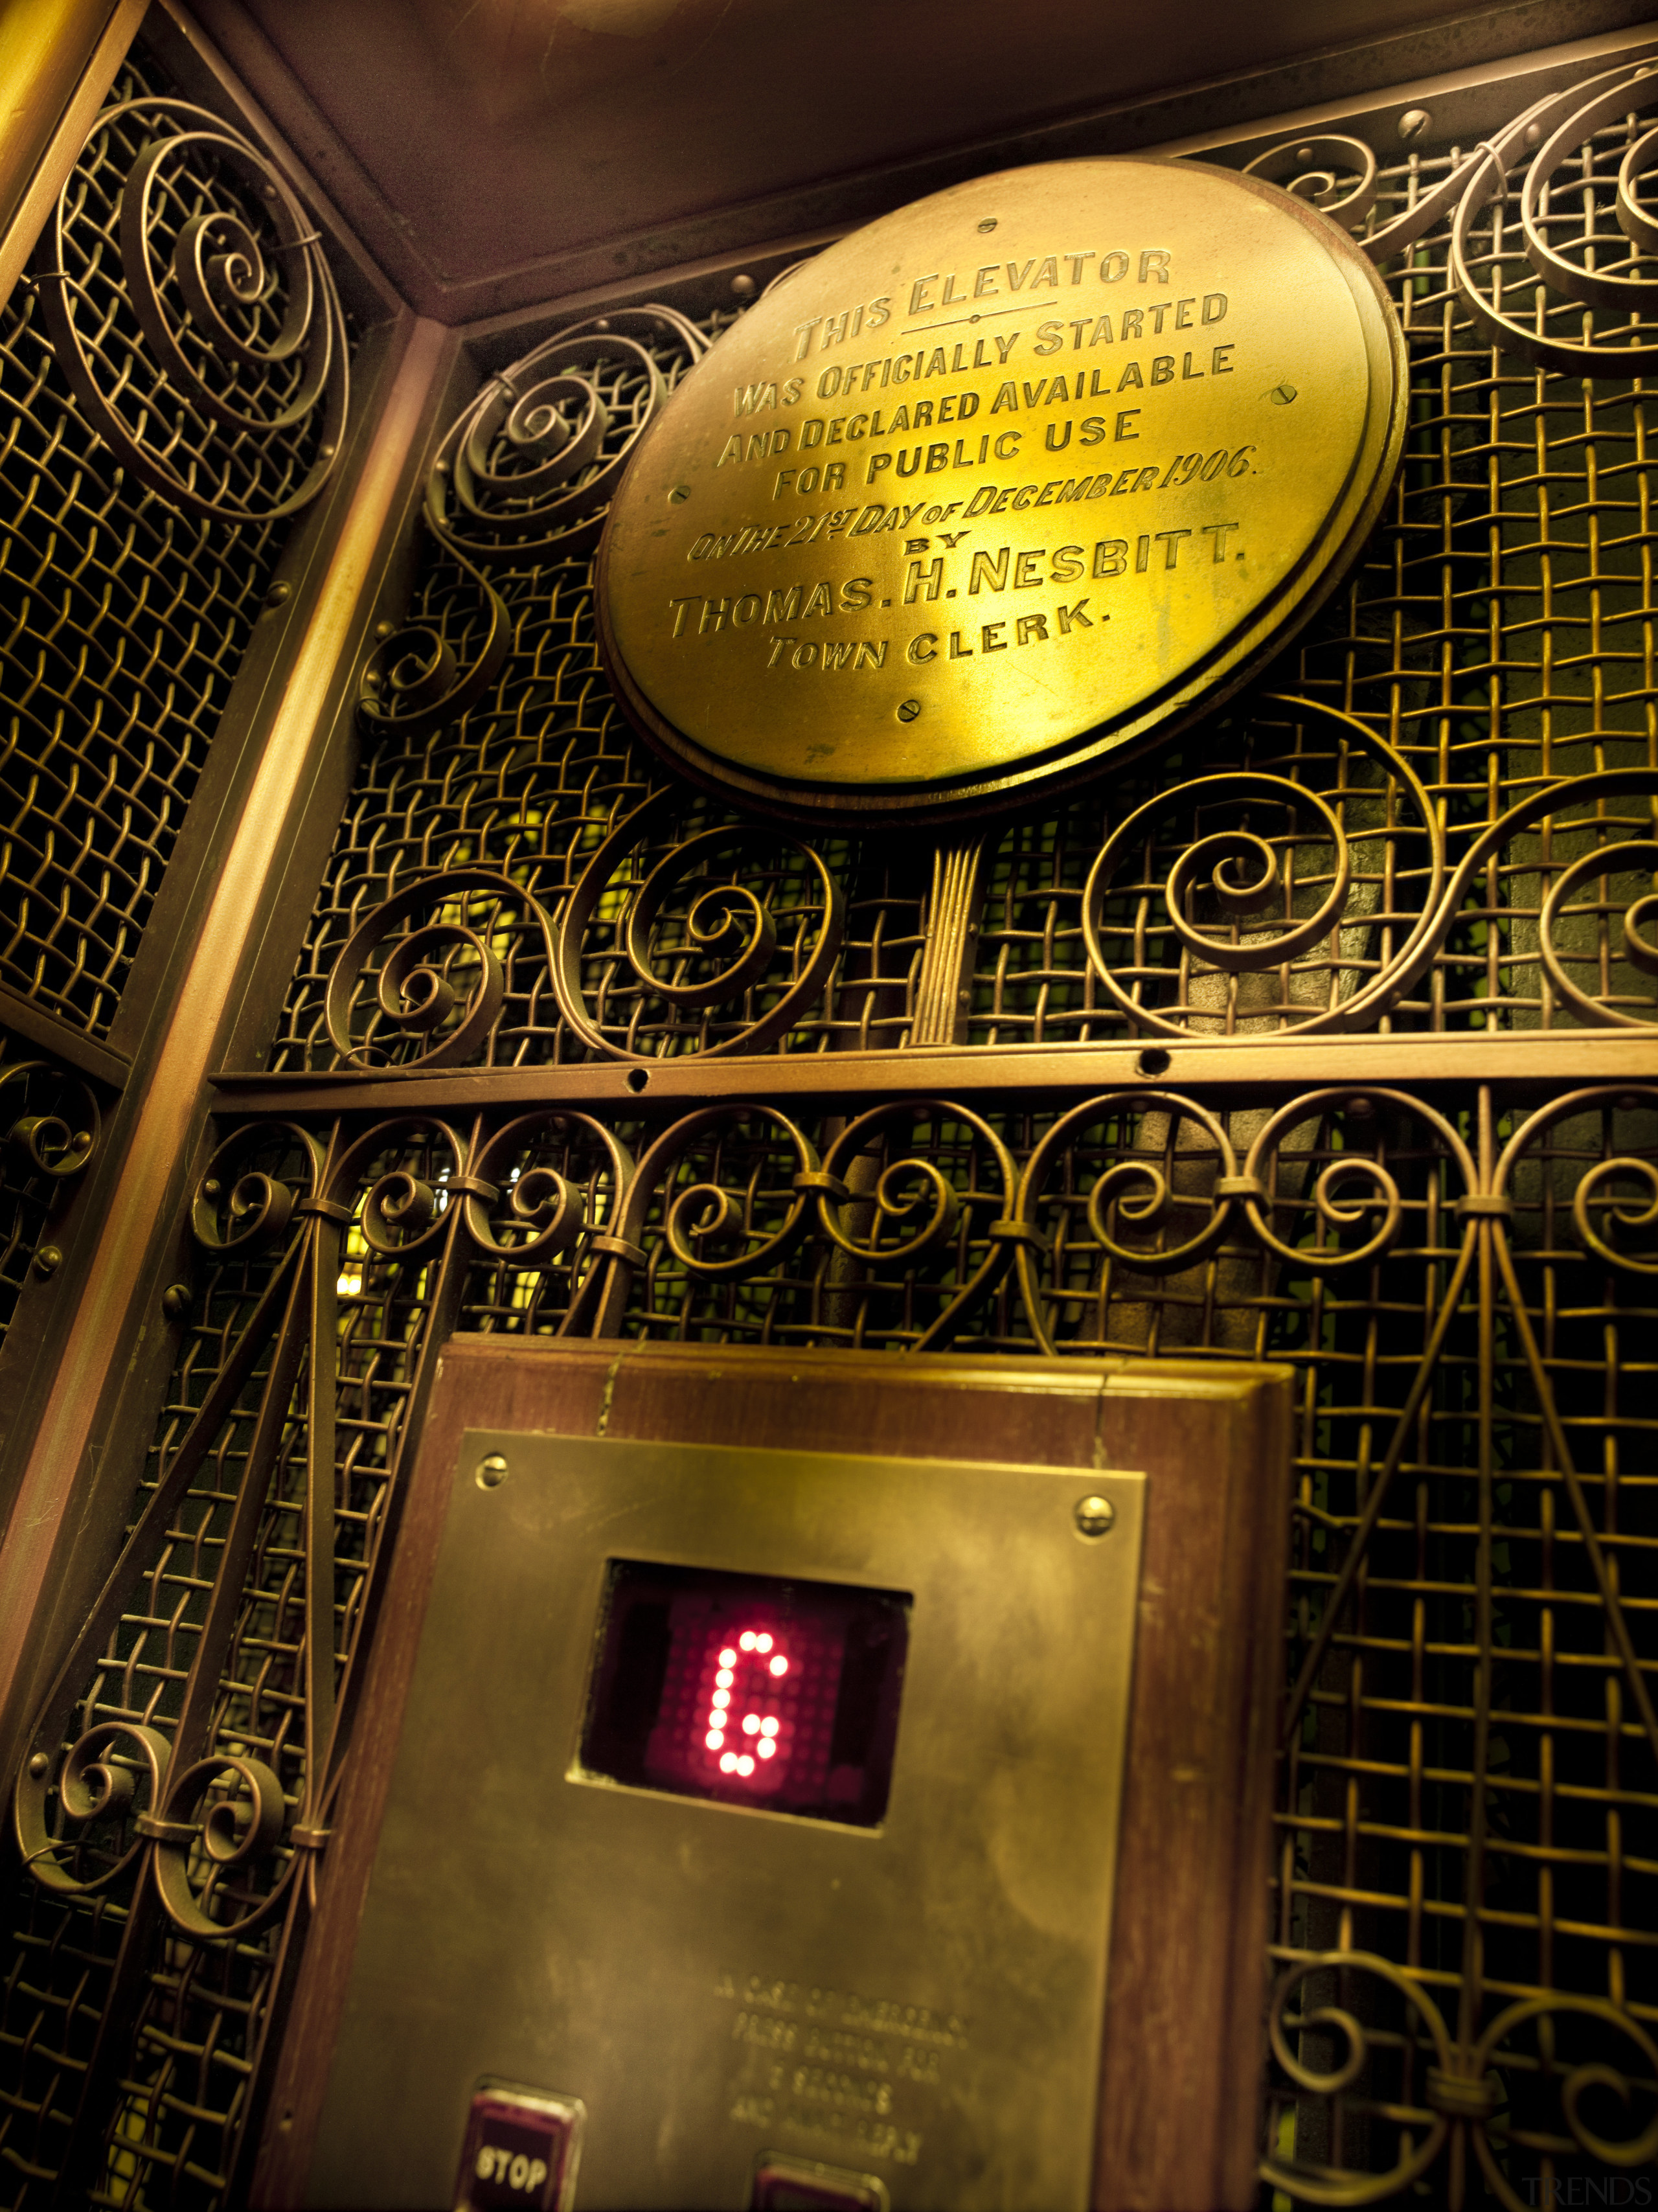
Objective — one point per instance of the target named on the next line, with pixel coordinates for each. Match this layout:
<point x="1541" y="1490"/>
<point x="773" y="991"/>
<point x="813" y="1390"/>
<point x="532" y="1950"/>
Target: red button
<point x="800" y="2184"/>
<point x="521" y="2150"/>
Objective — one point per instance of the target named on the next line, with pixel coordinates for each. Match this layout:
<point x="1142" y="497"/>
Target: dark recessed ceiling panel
<point x="496" y="152"/>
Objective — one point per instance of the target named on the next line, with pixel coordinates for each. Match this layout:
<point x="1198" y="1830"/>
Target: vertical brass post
<point x="942" y="988"/>
<point x="58" y="59"/>
<point x="149" y="1187"/>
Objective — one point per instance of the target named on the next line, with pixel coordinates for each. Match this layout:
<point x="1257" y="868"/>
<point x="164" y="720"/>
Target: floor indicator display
<point x="748" y="1691"/>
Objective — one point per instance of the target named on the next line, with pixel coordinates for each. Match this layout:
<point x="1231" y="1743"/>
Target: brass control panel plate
<point x="1001" y="482"/>
<point x="921" y="2000"/>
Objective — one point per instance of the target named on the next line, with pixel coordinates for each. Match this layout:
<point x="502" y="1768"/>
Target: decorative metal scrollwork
<point x="414" y="680"/>
<point x="528" y="471"/>
<point x="716" y="938"/>
<point x="97" y="1782"/>
<point x="58" y="1143"/>
<point x="1334" y="173"/>
<point x="1432" y="2089"/>
<point x="1267" y="879"/>
<point x="230" y="399"/>
<point x="715" y="1231"/>
<point x="524" y="475"/>
<point x="238" y="1206"/>
<point x="445" y="980"/>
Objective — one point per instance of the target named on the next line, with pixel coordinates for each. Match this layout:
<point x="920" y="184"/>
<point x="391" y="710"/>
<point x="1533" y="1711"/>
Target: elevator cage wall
<point x="1357" y="1075"/>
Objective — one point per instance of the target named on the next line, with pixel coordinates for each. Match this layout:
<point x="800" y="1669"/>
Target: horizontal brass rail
<point x="1554" y="1056"/>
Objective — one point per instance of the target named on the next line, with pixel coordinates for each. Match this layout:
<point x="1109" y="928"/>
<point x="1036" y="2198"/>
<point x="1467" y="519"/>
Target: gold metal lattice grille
<point x="122" y="623"/>
<point x="1454" y="835"/>
<point x="144" y="496"/>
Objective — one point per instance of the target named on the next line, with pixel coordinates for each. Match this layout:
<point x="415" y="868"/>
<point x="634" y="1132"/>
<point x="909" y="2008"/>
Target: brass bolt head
<point x="492" y="1471"/>
<point x="48" y="1260"/>
<point x="1094" y="1515"/>
<point x="1414" y="122"/>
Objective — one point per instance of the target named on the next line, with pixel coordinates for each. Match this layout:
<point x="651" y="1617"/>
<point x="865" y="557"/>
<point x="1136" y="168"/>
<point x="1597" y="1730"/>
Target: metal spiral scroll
<point x="527" y="472"/>
<point x="525" y="476"/>
<point x="413" y="990"/>
<point x="230" y="399"/>
<point x="727" y="928"/>
<point x="59" y="1143"/>
<point x="1263" y="923"/>
<point x="883" y="1207"/>
<point x="415" y="682"/>
<point x="1336" y="174"/>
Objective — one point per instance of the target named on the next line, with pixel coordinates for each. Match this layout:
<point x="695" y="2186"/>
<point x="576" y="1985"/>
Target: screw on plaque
<point x="491" y="1471"/>
<point x="908" y="709"/>
<point x="989" y="223"/>
<point x="1094" y="1515"/>
<point x="679" y="495"/>
<point x="1282" y="394"/>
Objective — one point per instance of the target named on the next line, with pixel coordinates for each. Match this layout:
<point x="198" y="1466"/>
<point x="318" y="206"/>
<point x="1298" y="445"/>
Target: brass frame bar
<point x="143" y="1202"/>
<point x="22" y="1018"/>
<point x="1595" y="1056"/>
<point x="58" y="59"/>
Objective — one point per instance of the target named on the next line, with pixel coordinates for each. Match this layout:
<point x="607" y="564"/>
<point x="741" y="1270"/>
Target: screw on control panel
<point x="1414" y="122"/>
<point x="908" y="709"/>
<point x="491" y="1471"/>
<point x="175" y="1302"/>
<point x="1094" y="1515"/>
<point x="39" y="1765"/>
<point x="48" y="1260"/>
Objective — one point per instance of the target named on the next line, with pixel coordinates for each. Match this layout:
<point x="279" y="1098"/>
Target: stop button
<point x="521" y="2150"/>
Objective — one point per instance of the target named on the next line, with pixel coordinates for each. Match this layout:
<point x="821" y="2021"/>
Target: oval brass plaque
<point x="1001" y="484"/>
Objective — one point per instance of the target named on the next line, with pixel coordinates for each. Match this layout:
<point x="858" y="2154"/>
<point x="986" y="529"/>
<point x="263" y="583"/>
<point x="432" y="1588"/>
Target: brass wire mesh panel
<point x="123" y="619"/>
